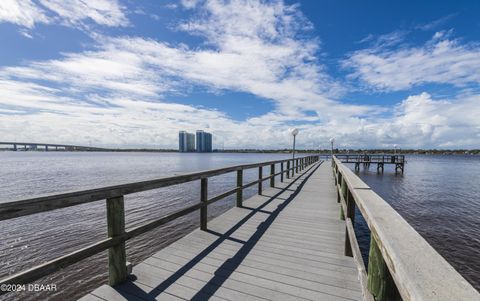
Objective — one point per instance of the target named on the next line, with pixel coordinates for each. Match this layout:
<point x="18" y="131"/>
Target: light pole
<point x="294" y="133"/>
<point x="394" y="149"/>
<point x="331" y="147"/>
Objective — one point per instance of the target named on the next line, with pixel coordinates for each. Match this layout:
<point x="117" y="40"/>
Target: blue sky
<point x="134" y="73"/>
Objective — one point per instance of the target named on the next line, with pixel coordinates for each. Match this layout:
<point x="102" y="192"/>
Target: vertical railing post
<point x="203" y="199"/>
<point x="379" y="280"/>
<point x="281" y="171"/>
<point x="260" y="182"/>
<point x="296" y="166"/>
<point x="293" y="167"/>
<point x="288" y="169"/>
<point x="239" y="187"/>
<point x="343" y="192"/>
<point x="351" y="215"/>
<point x="272" y="175"/>
<point x="117" y="258"/>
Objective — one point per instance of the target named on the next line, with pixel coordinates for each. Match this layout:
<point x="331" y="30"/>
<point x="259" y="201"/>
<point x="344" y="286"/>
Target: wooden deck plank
<point x="286" y="244"/>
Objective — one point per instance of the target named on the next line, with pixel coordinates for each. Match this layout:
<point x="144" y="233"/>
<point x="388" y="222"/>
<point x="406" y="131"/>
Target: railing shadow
<point x="223" y="272"/>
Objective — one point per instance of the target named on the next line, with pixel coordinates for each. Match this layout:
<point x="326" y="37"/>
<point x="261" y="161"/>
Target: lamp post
<point x="394" y="149"/>
<point x="331" y="147"/>
<point x="294" y="133"/>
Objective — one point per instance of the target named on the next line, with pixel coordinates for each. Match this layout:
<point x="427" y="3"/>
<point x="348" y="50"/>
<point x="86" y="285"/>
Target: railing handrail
<point x="114" y="196"/>
<point x="419" y="272"/>
<point x="49" y="202"/>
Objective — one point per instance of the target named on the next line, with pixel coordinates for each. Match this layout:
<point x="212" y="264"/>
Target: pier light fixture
<point x="331" y="147"/>
<point x="294" y="133"/>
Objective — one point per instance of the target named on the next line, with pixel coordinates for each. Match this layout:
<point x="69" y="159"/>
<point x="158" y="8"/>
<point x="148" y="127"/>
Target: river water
<point x="438" y="195"/>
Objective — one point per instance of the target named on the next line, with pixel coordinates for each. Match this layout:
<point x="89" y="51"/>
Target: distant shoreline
<point x="285" y="151"/>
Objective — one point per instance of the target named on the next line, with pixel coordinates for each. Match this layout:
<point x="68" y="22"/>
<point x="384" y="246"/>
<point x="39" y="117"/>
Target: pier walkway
<point x="285" y="244"/>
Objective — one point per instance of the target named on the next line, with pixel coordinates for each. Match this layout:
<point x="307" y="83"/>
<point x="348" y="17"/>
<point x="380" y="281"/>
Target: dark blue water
<point x="440" y="197"/>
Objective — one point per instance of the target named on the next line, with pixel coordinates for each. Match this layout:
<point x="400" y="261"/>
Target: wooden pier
<point x="380" y="160"/>
<point x="294" y="240"/>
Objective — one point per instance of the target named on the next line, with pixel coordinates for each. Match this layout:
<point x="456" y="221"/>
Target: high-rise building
<point x="181" y="141"/>
<point x="190" y="142"/>
<point x="208" y="142"/>
<point x="186" y="142"/>
<point x="204" y="141"/>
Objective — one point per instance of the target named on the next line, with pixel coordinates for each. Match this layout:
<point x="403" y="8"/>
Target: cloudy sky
<point x="133" y="73"/>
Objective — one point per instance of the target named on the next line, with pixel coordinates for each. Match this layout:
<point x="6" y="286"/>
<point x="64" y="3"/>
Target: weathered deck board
<point x="286" y="244"/>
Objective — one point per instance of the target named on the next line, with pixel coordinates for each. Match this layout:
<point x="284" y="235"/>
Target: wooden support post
<point x="117" y="259"/>
<point x="281" y="171"/>
<point x="260" y="182"/>
<point x="272" y="175"/>
<point x="350" y="206"/>
<point x="351" y="215"/>
<point x="380" y="282"/>
<point x="339" y="183"/>
<point x="203" y="199"/>
<point x="344" y="194"/>
<point x="239" y="187"/>
<point x="288" y="169"/>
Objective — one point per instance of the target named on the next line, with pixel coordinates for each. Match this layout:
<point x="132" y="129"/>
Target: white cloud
<point x="117" y="93"/>
<point x="441" y="60"/>
<point x="22" y="12"/>
<point x="73" y="12"/>
<point x="27" y="13"/>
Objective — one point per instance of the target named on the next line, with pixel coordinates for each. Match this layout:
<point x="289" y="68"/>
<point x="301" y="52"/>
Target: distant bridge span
<point x="16" y="146"/>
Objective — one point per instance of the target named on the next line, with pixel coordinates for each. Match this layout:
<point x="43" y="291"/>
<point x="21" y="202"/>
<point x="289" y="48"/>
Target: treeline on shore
<point x="360" y="151"/>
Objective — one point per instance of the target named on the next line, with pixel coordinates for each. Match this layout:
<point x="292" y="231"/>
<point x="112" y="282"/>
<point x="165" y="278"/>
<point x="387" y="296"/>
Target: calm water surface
<point x="31" y="240"/>
<point x="438" y="195"/>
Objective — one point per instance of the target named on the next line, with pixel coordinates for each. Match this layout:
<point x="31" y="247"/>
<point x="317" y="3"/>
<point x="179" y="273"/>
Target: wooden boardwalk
<point x="286" y="244"/>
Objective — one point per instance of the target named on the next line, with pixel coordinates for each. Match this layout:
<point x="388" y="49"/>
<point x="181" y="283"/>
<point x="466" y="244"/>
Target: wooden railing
<point x="401" y="265"/>
<point x="114" y="196"/>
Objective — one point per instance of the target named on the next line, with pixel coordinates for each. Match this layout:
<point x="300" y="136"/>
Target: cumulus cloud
<point x="441" y="60"/>
<point x="249" y="47"/>
<point x="27" y="13"/>
<point x="22" y="12"/>
<point x="117" y="93"/>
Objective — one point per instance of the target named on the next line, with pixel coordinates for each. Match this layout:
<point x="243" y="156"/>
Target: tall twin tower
<point x="186" y="142"/>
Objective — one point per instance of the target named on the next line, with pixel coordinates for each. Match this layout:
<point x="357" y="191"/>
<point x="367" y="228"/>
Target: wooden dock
<point x="286" y="244"/>
<point x="294" y="240"/>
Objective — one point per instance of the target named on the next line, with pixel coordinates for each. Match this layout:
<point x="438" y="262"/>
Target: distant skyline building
<point x="200" y="142"/>
<point x="203" y="142"/>
<point x="186" y="142"/>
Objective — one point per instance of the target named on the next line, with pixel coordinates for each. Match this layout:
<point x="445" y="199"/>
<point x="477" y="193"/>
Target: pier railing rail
<point x="401" y="264"/>
<point x="114" y="196"/>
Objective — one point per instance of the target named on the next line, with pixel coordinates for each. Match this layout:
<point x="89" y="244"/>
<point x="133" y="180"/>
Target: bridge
<point x="293" y="240"/>
<point x="24" y="146"/>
